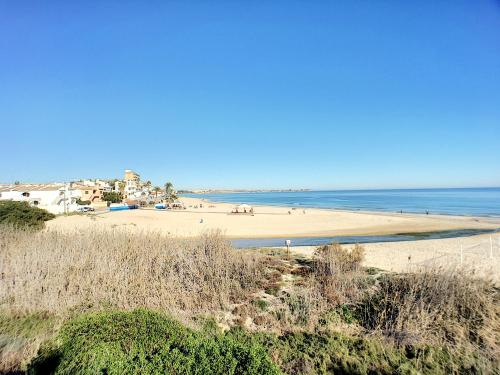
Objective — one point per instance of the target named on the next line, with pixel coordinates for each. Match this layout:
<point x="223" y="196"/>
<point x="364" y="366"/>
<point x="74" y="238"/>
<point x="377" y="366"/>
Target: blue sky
<point x="252" y="94"/>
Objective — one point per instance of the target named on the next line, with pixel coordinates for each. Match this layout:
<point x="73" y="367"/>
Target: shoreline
<point x="494" y="218"/>
<point x="354" y="210"/>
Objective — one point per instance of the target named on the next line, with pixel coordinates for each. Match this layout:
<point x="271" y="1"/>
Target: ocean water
<point x="466" y="201"/>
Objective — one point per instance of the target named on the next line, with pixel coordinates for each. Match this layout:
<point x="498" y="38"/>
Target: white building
<point x="104" y="185"/>
<point x="131" y="188"/>
<point x="132" y="184"/>
<point x="87" y="182"/>
<point x="55" y="198"/>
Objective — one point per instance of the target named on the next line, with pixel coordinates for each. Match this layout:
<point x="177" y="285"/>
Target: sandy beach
<point x="480" y="254"/>
<point x="269" y="221"/>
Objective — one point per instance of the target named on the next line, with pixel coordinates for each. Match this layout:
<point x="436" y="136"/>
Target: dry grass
<point x="304" y="291"/>
<point x="440" y="307"/>
<point x="338" y="274"/>
<point x="52" y="271"/>
<point x="333" y="259"/>
<point x="450" y="308"/>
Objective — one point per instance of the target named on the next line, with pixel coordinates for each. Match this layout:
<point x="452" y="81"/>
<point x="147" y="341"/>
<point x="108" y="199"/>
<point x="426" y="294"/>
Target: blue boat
<point x="160" y="206"/>
<point x="123" y="206"/>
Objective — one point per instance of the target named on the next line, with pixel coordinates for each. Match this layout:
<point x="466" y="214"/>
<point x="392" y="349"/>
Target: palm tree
<point x="170" y="195"/>
<point x="156" y="189"/>
<point x="121" y="186"/>
<point x="147" y="185"/>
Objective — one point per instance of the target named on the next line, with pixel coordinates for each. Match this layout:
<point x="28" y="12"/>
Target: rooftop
<point x="31" y="187"/>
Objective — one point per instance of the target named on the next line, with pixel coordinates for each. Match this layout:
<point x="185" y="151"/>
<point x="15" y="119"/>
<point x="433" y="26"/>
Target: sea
<point x="456" y="201"/>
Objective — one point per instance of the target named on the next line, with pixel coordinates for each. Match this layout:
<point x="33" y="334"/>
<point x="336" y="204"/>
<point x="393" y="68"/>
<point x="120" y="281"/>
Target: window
<point x="26" y="194"/>
<point x="86" y="191"/>
<point x="35" y="203"/>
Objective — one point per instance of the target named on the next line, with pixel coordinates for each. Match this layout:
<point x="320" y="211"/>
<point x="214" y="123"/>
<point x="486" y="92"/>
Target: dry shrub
<point x="16" y="352"/>
<point x="333" y="259"/>
<point x="337" y="271"/>
<point x="438" y="307"/>
<point x="54" y="271"/>
<point x="298" y="308"/>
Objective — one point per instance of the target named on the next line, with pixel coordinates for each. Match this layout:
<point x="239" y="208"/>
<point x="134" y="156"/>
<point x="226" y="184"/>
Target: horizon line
<point x="236" y="190"/>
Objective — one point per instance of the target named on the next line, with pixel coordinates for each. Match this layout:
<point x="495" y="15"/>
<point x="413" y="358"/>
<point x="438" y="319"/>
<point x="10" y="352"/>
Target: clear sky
<point x="252" y="94"/>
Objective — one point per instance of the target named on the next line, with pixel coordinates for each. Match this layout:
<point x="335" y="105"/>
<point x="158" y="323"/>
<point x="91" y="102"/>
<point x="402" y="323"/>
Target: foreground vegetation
<point x="145" y="342"/>
<point x="112" y="302"/>
<point x="22" y="215"/>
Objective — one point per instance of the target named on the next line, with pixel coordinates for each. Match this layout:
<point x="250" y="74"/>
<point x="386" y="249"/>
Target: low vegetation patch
<point x="335" y="353"/>
<point x="80" y="202"/>
<point x="444" y="308"/>
<point x="261" y="304"/>
<point x="338" y="274"/>
<point x="112" y="197"/>
<point x="20" y="338"/>
<point x="145" y="342"/>
<point x="22" y="215"/>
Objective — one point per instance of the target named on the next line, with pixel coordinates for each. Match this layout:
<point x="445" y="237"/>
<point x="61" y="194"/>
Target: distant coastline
<point x="236" y="191"/>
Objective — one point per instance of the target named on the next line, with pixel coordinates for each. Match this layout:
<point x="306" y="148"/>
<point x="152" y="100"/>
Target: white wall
<point x="55" y="201"/>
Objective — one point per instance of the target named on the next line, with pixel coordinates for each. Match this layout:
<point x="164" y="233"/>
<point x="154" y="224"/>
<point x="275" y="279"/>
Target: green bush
<point x="261" y="304"/>
<point x="112" y="196"/>
<point x="145" y="342"/>
<point x="83" y="203"/>
<point x="22" y="215"/>
<point x="336" y="353"/>
<point x="339" y="314"/>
